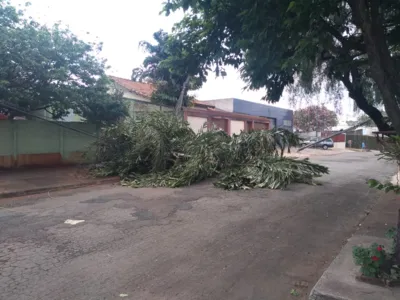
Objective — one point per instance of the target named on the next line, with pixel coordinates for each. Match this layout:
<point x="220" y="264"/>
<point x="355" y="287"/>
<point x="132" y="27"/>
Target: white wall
<point x="196" y="123"/>
<point x="311" y="134"/>
<point x="369" y="130"/>
<point x="71" y="117"/>
<point x="130" y="95"/>
<point x="339" y="145"/>
<point x="223" y="104"/>
<point x="127" y="94"/>
<point x="237" y="126"/>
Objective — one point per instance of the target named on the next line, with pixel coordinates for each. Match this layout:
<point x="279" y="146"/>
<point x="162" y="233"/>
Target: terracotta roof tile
<point x="147" y="89"/>
<point x="140" y="88"/>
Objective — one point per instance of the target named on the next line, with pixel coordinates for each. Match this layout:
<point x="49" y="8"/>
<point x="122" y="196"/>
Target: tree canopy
<point x="360" y="119"/>
<point x="307" y="45"/>
<point x="314" y="118"/>
<point x="167" y="67"/>
<point x="176" y="64"/>
<point x="51" y="69"/>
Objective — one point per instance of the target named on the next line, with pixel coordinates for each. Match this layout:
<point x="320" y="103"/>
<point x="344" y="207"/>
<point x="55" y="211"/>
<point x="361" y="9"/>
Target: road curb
<point x="58" y="187"/>
<point x="339" y="281"/>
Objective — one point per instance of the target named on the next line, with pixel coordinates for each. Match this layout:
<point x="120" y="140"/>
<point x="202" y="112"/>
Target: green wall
<point x="39" y="137"/>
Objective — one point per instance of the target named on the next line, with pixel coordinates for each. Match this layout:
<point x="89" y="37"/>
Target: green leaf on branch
<point x="291" y="6"/>
<point x="386" y="187"/>
<point x="50" y="69"/>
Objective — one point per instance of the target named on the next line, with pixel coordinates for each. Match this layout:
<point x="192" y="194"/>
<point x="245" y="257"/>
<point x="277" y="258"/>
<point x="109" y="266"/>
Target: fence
<point x="356" y="140"/>
<point x="27" y="143"/>
<point x="340" y="138"/>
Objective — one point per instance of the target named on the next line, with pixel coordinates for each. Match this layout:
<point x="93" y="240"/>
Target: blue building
<point x="279" y="117"/>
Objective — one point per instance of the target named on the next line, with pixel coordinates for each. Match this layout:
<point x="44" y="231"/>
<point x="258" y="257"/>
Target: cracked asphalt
<point x="191" y="243"/>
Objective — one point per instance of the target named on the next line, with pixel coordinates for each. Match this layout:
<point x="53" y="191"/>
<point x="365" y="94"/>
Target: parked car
<point x="326" y="144"/>
<point x="308" y="141"/>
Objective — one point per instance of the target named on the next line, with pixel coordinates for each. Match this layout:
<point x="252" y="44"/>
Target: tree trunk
<point x="179" y="104"/>
<point x="383" y="67"/>
<point x="397" y="246"/>
<point x="356" y="93"/>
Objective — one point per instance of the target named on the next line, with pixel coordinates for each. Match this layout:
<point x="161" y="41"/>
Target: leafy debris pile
<point x="162" y="150"/>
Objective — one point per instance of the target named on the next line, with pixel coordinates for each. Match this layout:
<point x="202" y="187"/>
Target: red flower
<point x="375" y="258"/>
<point x="379" y="248"/>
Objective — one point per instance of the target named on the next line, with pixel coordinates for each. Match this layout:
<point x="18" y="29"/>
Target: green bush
<point x="371" y="259"/>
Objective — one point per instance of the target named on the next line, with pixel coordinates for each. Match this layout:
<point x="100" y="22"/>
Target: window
<point x="287" y="123"/>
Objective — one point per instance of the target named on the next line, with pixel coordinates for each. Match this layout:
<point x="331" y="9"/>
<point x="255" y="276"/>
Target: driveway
<point x="192" y="243"/>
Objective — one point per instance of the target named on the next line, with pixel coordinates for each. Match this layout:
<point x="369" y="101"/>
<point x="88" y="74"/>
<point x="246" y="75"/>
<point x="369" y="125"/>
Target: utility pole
<point x="328" y="137"/>
<point x="317" y="121"/>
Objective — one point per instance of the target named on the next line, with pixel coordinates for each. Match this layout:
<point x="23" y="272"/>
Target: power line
<point x="11" y="107"/>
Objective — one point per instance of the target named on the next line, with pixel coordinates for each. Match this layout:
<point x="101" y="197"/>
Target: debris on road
<point x="162" y="150"/>
<point x="73" y="222"/>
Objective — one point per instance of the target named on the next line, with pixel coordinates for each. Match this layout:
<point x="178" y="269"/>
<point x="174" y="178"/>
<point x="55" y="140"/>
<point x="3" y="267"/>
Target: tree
<point x="163" y="68"/>
<point x="175" y="64"/>
<point x="365" y="118"/>
<point x="285" y="138"/>
<point x="306" y="45"/>
<point x="362" y="118"/>
<point x="50" y="69"/>
<point x="314" y="118"/>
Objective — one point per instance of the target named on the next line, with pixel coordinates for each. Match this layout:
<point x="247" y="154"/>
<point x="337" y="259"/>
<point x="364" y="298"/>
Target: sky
<point x="122" y="24"/>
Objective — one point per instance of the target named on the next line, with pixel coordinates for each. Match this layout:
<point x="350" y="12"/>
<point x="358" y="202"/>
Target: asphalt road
<point x="192" y="243"/>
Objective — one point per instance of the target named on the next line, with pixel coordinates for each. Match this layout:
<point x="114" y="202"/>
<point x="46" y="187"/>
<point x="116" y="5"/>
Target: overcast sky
<point x="121" y="25"/>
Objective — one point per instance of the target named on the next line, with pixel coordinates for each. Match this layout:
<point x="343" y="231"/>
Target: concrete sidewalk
<point x="20" y="182"/>
<point x="339" y="280"/>
<point x="312" y="152"/>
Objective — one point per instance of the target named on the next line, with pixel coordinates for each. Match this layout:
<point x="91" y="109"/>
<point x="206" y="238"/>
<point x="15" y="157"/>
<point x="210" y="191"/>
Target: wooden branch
<point x="347" y="43"/>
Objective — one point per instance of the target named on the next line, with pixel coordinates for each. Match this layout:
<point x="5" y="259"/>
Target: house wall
<point x="369" y="130"/>
<point x="229" y="122"/>
<point x="260" y="126"/>
<point x="237" y="127"/>
<point x="27" y="143"/>
<point x="133" y="101"/>
<point x="138" y="109"/>
<point x="223" y="124"/>
<point x="309" y="135"/>
<point x="128" y="94"/>
<point x="341" y="138"/>
<point x="223" y="104"/>
<point x="283" y="117"/>
<point x="279" y="117"/>
<point x="71" y="117"/>
<point x="196" y="123"/>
